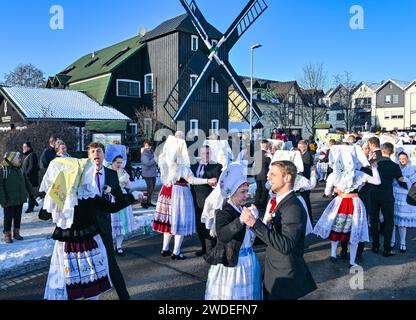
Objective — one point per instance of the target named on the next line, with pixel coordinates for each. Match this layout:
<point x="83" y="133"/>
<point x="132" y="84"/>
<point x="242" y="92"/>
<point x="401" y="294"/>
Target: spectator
<point x="149" y="171"/>
<point x="31" y="171"/>
<point x="280" y="135"/>
<point x="48" y="154"/>
<point x="312" y="145"/>
<point x="351" y="139"/>
<point x="12" y="194"/>
<point x="61" y="149"/>
<point x="295" y="138"/>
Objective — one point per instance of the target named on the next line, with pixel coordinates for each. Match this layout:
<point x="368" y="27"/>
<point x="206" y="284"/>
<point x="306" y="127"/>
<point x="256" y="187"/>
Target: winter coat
<point x="12" y="187"/>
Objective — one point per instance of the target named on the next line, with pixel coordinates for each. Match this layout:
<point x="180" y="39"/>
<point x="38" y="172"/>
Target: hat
<point x="232" y="179"/>
<point x="113" y="151"/>
<point x="293" y="156"/>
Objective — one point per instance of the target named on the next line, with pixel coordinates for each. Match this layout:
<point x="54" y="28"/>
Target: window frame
<point x="217" y="129"/>
<point x="388" y="101"/>
<point x="194" y="37"/>
<point x="145" y="83"/>
<point x="215" y="85"/>
<point x="129" y="81"/>
<point x="393" y="99"/>
<point x="191" y="77"/>
<point x="194" y="131"/>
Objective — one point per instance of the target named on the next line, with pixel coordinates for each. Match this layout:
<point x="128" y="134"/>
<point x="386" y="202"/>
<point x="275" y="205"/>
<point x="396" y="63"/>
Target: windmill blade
<point x="198" y="20"/>
<point x="238" y="84"/>
<point x="210" y="66"/>
<point x="252" y="11"/>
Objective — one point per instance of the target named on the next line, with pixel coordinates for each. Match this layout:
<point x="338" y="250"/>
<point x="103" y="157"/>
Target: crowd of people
<point x="369" y="179"/>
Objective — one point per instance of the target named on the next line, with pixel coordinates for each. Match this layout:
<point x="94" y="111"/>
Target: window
<point x="128" y="88"/>
<point x="215" y="125"/>
<point x="147" y="127"/>
<point x="386" y="115"/>
<point x="148" y="83"/>
<point x="194" y="127"/>
<point x="194" y="43"/>
<point x="396" y="99"/>
<point x="388" y="99"/>
<point x="340" y="117"/>
<point x="391" y="86"/>
<point x="193" y="79"/>
<point x="397" y="116"/>
<point x="133" y="128"/>
<point x="214" y="43"/>
<point x="327" y="117"/>
<point x="291" y="99"/>
<point x="215" y="88"/>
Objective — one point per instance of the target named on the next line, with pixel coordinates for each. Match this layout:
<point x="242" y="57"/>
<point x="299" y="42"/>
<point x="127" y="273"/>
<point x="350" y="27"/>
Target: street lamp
<point x="254" y="47"/>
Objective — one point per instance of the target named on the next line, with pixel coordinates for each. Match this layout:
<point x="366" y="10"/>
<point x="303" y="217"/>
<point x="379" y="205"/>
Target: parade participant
<point x="307" y="160"/>
<point x="382" y="198"/>
<point x="205" y="169"/>
<point x="286" y="274"/>
<point x="404" y="214"/>
<point x="235" y="272"/>
<point x="301" y="184"/>
<point x="375" y="152"/>
<point x="80" y="195"/>
<point x="123" y="221"/>
<point x="345" y="218"/>
<point x="261" y="169"/>
<point x="175" y="211"/>
<point x="13" y="194"/>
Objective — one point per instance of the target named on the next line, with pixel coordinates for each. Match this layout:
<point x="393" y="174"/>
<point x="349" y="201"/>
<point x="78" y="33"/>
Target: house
<point x="390" y="106"/>
<point x="336" y="100"/>
<point x="410" y="105"/>
<point x="22" y="106"/>
<point x="154" y="71"/>
<point x="283" y="104"/>
<point x="364" y="100"/>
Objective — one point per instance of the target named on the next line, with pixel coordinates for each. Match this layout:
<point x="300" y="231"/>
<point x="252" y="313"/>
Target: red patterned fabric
<point x="273" y="203"/>
<point x="162" y="218"/>
<point x="346" y="208"/>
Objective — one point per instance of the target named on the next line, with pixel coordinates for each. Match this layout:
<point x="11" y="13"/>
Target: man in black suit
<point x="107" y="178"/>
<point x="381" y="198"/>
<point x="307" y="160"/>
<point x="261" y="169"/>
<point x="375" y="151"/>
<point x="286" y="274"/>
<point x="207" y="170"/>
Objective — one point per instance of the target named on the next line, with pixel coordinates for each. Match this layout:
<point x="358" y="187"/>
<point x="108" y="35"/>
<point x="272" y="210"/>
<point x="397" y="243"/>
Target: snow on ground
<point x="37" y="244"/>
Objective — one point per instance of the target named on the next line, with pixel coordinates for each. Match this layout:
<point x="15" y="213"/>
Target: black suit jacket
<point x="286" y="274"/>
<point x="201" y="192"/>
<point x="411" y="196"/>
<point x="230" y="237"/>
<point x="307" y="160"/>
<point x="265" y="163"/>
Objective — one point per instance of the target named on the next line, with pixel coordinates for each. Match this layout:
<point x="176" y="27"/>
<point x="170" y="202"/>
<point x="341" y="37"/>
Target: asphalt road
<point x="152" y="277"/>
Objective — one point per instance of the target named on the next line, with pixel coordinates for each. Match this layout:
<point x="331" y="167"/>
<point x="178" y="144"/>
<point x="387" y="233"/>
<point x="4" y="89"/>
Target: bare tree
<point x="313" y="81"/>
<point x="25" y="75"/>
<point x="277" y="114"/>
<point x="345" y="86"/>
<point x="147" y="122"/>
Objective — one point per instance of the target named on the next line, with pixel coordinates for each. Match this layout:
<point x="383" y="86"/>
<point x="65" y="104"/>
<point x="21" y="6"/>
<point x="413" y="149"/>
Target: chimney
<point x="142" y="31"/>
<point x="93" y="54"/>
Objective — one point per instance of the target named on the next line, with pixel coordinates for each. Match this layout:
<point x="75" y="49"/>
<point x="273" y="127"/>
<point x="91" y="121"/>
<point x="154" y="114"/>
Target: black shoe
<point x="375" y="249"/>
<point x="29" y="210"/>
<point x="166" y="253"/>
<point x="402" y="248"/>
<point x="178" y="257"/>
<point x="120" y="252"/>
<point x="333" y="259"/>
<point x="200" y="253"/>
<point x="151" y="205"/>
<point x="144" y="206"/>
<point x="353" y="265"/>
<point x="388" y="254"/>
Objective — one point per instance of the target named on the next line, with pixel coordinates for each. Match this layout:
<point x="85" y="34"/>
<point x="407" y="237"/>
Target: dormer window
<point x="194" y="43"/>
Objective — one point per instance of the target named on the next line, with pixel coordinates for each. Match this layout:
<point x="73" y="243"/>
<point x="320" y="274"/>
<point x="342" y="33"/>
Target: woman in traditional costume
<point x="404" y="214"/>
<point x="175" y="211"/>
<point x="345" y="218"/>
<point x="123" y="221"/>
<point x="235" y="272"/>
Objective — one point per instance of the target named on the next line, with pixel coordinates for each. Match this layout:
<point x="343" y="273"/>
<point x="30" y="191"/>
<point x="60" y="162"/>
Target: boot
<point x="16" y="234"/>
<point x="8" y="237"/>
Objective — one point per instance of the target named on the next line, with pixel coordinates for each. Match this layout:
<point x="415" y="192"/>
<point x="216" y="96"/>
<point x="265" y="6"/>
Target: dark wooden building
<point x="142" y="72"/>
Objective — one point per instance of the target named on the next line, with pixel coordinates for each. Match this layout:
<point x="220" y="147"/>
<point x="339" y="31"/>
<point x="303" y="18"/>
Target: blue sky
<point x="293" y="33"/>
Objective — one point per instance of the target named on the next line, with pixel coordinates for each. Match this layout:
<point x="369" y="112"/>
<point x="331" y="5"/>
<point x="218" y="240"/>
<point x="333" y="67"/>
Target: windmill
<point x="214" y="65"/>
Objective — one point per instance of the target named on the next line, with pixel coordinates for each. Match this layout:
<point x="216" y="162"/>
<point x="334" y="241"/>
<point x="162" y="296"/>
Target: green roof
<point x="106" y="126"/>
<point x="94" y="88"/>
<point x="104" y="61"/>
